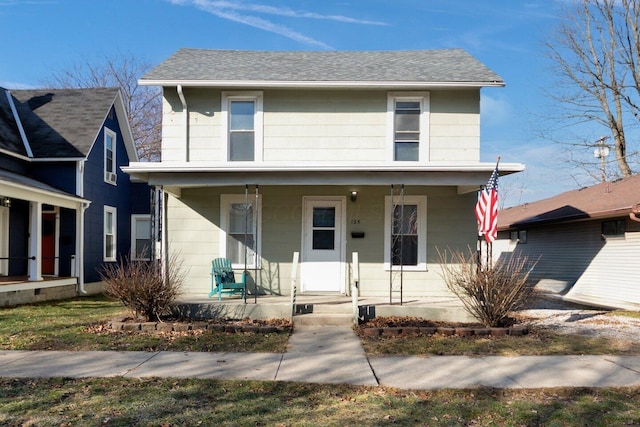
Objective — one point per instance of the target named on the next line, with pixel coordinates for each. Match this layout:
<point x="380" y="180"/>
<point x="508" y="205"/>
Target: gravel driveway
<point x="554" y="314"/>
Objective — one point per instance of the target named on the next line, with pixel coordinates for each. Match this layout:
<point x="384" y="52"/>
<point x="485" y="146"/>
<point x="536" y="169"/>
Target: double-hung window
<point x="110" y="233"/>
<point x="242" y="125"/>
<point x="109" y="156"/>
<point x="408" y="123"/>
<point x="141" y="237"/>
<point x="240" y="229"/>
<point x="406" y="233"/>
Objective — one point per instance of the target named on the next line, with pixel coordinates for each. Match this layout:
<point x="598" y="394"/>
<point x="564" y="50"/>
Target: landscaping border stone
<point x="393" y="331"/>
<point x="122" y="324"/>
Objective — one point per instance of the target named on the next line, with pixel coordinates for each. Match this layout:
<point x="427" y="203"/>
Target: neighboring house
<point x="587" y="242"/>
<point x="66" y="208"/>
<point x="327" y="154"/>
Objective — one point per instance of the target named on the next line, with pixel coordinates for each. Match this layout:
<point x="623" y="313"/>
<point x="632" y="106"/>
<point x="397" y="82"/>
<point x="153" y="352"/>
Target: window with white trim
<point x="110" y="156"/>
<point x="110" y="233"/>
<point x="408" y="126"/>
<point x="141" y="237"/>
<point x="241" y="225"/>
<point x="405" y="238"/>
<point x="242" y="126"/>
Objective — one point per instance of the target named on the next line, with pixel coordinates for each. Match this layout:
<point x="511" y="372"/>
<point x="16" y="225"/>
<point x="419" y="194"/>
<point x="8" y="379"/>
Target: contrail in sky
<point x="229" y="11"/>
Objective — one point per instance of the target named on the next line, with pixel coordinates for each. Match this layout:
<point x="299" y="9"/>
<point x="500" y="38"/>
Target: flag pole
<point x="486" y="212"/>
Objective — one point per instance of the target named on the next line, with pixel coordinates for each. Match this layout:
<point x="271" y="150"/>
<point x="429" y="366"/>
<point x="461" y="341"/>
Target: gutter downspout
<point x="185" y="113"/>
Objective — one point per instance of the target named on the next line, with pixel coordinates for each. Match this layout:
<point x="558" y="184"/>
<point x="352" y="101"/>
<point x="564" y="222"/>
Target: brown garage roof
<point x="604" y="200"/>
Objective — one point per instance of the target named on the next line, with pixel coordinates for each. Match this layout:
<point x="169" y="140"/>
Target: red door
<point x="48" y="243"/>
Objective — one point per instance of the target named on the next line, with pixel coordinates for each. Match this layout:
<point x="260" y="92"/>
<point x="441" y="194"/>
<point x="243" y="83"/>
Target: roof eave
<point x="319" y="84"/>
<point x="606" y="214"/>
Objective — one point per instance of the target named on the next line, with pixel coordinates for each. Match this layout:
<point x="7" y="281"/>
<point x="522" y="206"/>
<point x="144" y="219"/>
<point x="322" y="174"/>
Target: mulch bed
<point x="217" y="325"/>
<point x="405" y="325"/>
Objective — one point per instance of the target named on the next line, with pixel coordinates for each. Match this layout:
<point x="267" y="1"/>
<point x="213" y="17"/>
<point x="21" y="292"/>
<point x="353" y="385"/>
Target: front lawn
<point x="190" y="402"/>
<point x="81" y="324"/>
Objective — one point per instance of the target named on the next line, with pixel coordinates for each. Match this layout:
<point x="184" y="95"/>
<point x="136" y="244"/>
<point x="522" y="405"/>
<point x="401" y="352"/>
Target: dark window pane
<point x="406" y="151"/>
<point x="241" y="146"/>
<point x="405" y="250"/>
<point x="408" y="105"/>
<point x="143" y="248"/>
<point x="108" y="246"/>
<point x="323" y="239"/>
<point x="324" y="217"/>
<point x="614" y="227"/>
<point x="405" y="219"/>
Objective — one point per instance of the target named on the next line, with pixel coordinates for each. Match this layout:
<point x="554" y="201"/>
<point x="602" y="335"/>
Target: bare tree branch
<point x="596" y="53"/>
<point x="143" y="104"/>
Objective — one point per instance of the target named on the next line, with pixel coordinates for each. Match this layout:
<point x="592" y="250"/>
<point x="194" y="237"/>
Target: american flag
<point x="487" y="208"/>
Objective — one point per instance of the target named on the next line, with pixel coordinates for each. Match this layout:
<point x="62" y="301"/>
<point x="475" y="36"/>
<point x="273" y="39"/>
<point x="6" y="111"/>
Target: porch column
<point x="79" y="270"/>
<point x="35" y="241"/>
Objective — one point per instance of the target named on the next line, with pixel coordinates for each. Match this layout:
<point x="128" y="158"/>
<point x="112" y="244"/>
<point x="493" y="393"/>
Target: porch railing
<point x="355" y="265"/>
<point x="294" y="282"/>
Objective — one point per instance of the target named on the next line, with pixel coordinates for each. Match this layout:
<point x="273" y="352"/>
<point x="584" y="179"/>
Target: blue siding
<point x="67" y="240"/>
<point x="104" y="194"/>
<point x="12" y="164"/>
<point x="61" y="175"/>
<point x="18" y="237"/>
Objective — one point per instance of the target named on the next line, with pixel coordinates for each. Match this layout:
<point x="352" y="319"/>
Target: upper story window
<point x="242" y="126"/>
<point x="408" y="123"/>
<point x="109" y="156"/>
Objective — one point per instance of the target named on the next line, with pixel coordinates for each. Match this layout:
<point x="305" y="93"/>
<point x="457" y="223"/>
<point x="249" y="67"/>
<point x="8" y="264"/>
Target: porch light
<point x="354" y="196"/>
<point x="5" y="201"/>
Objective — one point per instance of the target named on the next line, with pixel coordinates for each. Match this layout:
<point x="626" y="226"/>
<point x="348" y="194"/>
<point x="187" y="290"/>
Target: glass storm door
<point x="323" y="264"/>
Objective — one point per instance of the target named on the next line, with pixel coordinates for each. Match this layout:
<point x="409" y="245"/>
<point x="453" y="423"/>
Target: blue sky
<point x="507" y="35"/>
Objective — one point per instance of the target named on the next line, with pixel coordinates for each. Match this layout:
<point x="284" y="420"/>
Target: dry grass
<point x="188" y="402"/>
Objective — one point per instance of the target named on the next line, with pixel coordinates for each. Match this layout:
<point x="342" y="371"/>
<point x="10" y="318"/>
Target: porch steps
<point x="323" y="314"/>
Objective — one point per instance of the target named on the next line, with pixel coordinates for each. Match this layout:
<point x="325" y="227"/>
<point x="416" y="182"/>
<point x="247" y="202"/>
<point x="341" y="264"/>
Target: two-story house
<point x="66" y="208"/>
<point x="267" y="153"/>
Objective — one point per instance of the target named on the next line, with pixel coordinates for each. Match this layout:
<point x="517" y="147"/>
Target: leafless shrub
<point x="488" y="294"/>
<point x="141" y="287"/>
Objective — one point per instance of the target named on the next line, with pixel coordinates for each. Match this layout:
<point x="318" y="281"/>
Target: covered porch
<point x="319" y="309"/>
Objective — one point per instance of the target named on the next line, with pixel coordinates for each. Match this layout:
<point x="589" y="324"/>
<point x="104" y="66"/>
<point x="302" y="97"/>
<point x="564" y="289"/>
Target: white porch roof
<point x="175" y="176"/>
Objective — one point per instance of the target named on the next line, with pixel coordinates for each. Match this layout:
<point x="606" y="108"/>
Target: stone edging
<point x="121" y="325"/>
<point x="446" y="331"/>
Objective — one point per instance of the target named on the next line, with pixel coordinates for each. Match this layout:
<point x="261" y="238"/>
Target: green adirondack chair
<point x="223" y="279"/>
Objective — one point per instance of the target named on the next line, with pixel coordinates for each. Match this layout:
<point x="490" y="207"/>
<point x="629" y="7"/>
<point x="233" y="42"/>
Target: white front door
<point x="323" y="245"/>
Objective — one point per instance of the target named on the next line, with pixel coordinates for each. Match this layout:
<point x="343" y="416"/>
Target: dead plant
<point x="488" y="293"/>
<point x="142" y="287"/>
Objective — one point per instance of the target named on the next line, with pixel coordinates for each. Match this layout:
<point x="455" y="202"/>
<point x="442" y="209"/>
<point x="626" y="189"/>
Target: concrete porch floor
<point x="270" y="307"/>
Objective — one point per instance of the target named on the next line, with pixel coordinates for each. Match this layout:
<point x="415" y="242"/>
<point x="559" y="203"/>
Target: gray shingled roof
<point x="10" y="138"/>
<point x="423" y="66"/>
<point x="609" y="199"/>
<point x="63" y="122"/>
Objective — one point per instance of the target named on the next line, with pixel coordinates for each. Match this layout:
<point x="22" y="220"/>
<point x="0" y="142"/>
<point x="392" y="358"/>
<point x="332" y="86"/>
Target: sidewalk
<point x="332" y="354"/>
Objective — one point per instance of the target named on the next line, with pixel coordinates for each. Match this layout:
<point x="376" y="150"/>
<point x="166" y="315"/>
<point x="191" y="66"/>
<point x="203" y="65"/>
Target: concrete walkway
<point x="333" y="354"/>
